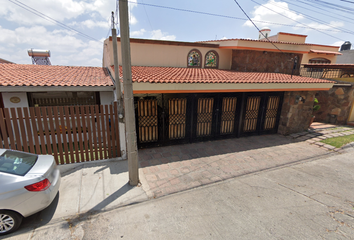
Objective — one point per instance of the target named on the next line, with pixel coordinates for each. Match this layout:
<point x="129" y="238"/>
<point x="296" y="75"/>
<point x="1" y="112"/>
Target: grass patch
<point x="338" y="142"/>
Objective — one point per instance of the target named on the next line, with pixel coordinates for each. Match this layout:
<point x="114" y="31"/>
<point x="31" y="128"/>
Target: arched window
<point x="319" y="60"/>
<point x="194" y="58"/>
<point x="211" y="59"/>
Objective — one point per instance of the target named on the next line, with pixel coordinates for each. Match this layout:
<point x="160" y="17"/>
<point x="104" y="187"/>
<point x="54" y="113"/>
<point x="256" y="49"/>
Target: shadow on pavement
<point x="36" y="220"/>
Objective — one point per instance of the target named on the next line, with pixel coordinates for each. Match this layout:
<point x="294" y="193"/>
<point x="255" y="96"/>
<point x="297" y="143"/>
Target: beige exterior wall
<point x="158" y="55"/>
<point x="306" y="57"/>
<point x="291" y="38"/>
<point x="164" y="55"/>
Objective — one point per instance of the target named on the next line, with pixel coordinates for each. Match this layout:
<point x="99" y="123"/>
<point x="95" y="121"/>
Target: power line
<point x="224" y="16"/>
<point x="333" y="6"/>
<point x="316" y="19"/>
<point x="346" y="1"/>
<point x="317" y="7"/>
<point x="256" y="26"/>
<point x="296" y="21"/>
<point x="147" y="16"/>
<point x="326" y="14"/>
<point x="42" y="15"/>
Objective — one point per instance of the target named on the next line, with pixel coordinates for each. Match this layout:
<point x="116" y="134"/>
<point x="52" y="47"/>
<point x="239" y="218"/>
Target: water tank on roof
<point x="38" y="53"/>
<point x="346" y="46"/>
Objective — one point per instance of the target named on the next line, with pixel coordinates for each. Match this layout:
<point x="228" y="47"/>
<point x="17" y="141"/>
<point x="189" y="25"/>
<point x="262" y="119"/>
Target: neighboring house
<point x="346" y="57"/>
<point x="347" y="54"/>
<point x="195" y="91"/>
<point x="40" y="85"/>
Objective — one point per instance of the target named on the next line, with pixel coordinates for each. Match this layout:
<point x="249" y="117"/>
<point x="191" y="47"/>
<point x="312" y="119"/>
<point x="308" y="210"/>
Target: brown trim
<point x="291" y="34"/>
<point x="324" y="52"/>
<point x="231" y="90"/>
<point x="277" y="42"/>
<point x="261" y="49"/>
<point x="201" y="58"/>
<point x="174" y="43"/>
<point x="329" y="66"/>
<point x="217" y="59"/>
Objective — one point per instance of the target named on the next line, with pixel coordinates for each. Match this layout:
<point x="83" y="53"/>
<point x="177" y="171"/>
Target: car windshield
<point x="18" y="163"/>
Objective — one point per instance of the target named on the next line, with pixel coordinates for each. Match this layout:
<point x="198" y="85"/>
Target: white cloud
<point x="318" y="26"/>
<point x="158" y="34"/>
<point x="59" y="10"/>
<point x="65" y="49"/>
<point x="138" y="33"/>
<point x="155" y="34"/>
<point x="338" y="43"/>
<point x="92" y="24"/>
<point x="263" y="13"/>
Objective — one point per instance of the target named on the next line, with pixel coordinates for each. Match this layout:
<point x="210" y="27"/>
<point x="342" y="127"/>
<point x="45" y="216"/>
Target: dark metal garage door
<point x="165" y="119"/>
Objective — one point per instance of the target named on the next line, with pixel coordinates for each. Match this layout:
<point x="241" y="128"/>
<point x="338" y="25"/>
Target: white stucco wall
<point x="8" y="104"/>
<point x="106" y="98"/>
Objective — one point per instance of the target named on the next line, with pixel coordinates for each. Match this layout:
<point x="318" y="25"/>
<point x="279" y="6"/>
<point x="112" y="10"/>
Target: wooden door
<point x="177" y="111"/>
<point x="205" y="109"/>
<point x="147" y="121"/>
<point x="228" y="111"/>
<point x="252" y="114"/>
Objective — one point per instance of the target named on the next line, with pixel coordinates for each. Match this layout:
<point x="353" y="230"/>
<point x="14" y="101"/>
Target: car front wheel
<point x="9" y="221"/>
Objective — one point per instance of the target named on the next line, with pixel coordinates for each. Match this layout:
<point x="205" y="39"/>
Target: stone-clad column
<point x="296" y="112"/>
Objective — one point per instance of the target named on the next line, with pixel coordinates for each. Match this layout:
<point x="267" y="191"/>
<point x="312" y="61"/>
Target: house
<point x="23" y="85"/>
<point x="196" y="91"/>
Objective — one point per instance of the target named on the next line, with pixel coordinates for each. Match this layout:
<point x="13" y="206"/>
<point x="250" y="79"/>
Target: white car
<point x="28" y="184"/>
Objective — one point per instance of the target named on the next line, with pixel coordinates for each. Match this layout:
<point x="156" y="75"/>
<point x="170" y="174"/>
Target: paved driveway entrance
<point x="175" y="168"/>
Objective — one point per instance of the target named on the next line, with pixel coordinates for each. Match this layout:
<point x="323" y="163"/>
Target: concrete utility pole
<point x="118" y="96"/>
<point x="132" y="150"/>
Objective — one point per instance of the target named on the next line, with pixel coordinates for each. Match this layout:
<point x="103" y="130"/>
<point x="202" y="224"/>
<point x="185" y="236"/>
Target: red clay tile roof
<point x="42" y="75"/>
<point x="203" y="75"/>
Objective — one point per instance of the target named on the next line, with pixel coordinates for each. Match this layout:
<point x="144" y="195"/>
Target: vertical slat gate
<point x="251" y="116"/>
<point x="205" y="116"/>
<point x="147" y="120"/>
<point x="228" y="115"/>
<point x="271" y="112"/>
<point x="177" y="118"/>
<point x="57" y="131"/>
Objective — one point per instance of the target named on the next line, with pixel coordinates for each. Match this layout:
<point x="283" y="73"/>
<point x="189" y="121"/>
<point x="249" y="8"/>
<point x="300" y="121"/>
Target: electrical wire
<point x="147" y="17"/>
<point x="317" y="7"/>
<point x="296" y="21"/>
<point x="346" y="1"/>
<point x="315" y="19"/>
<point x="42" y="15"/>
<point x="333" y="6"/>
<point x="256" y="26"/>
<point x="325" y="14"/>
<point x="224" y="16"/>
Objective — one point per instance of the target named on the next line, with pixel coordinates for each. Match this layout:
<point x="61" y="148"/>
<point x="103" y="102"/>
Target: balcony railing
<point x="327" y="72"/>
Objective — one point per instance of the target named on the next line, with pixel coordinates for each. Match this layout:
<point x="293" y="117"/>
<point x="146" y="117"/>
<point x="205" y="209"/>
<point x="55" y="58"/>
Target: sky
<point x="74" y="30"/>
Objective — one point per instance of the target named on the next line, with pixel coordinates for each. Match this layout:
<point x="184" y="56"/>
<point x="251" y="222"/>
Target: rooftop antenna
<point x="39" y="57"/>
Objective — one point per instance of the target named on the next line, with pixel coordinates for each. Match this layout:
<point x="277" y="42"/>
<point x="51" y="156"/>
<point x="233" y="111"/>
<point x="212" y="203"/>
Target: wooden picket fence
<point x="71" y="133"/>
